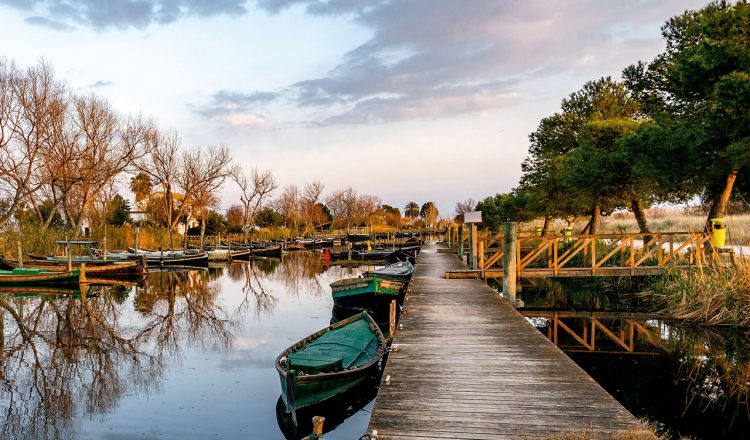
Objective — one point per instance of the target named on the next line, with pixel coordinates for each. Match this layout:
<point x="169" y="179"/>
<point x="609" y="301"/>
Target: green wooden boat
<point x="37" y="276"/>
<point x="329" y="362"/>
<point x="366" y="292"/>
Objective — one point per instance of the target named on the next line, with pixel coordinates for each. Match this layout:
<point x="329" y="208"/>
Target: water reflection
<point x="691" y="381"/>
<point x="137" y="359"/>
<point x="63" y="357"/>
<point x="335" y="411"/>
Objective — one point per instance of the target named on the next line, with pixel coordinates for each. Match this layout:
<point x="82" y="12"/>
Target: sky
<point x="409" y="100"/>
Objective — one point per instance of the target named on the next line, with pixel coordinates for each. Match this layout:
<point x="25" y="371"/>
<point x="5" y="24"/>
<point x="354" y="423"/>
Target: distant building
<point x="142" y="205"/>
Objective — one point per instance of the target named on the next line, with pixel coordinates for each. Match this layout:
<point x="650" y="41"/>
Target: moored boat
<point x="119" y="268"/>
<point x="367" y="292"/>
<point x="24" y="276"/>
<point x="329" y="362"/>
<point x="400" y="271"/>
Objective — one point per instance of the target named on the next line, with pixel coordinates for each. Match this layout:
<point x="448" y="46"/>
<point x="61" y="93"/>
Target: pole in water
<point x="20" y="254"/>
<point x="70" y="257"/>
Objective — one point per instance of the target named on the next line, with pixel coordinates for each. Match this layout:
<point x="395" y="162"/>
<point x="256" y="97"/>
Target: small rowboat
<point x="37" y="276"/>
<point x="329" y="362"/>
<point x="105" y="269"/>
<point x="366" y="292"/>
<point x="400" y="271"/>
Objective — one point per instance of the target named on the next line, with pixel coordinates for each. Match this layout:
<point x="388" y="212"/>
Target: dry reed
<point x="707" y="296"/>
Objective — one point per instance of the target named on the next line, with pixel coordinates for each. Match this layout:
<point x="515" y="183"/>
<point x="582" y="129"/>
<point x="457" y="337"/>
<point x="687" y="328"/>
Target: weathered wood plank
<point x="467" y="365"/>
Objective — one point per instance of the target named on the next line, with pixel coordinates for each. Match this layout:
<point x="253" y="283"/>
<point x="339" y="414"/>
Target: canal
<point x="188" y="355"/>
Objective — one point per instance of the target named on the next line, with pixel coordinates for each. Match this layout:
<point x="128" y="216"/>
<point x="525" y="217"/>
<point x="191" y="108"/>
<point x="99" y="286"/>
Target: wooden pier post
<point x="510" y="272"/>
<point x="392" y="321"/>
<point x="473" y="246"/>
<point x="449" y="236"/>
<point x="317" y="432"/>
<point x="461" y="242"/>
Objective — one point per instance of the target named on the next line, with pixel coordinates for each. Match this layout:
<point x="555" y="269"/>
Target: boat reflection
<point x="335" y="411"/>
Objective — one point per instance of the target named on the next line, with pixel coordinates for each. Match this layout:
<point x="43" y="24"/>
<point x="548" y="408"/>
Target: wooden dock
<point x="467" y="365"/>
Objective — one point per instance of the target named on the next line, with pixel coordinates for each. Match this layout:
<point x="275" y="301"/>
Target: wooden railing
<point x="600" y="250"/>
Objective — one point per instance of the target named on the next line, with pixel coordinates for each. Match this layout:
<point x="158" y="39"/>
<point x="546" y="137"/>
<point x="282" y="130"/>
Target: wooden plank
<point x="467" y="365"/>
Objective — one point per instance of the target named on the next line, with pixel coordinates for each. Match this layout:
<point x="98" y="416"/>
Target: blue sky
<point x="409" y="100"/>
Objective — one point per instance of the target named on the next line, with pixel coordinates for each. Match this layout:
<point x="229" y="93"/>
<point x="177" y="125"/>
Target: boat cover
<point x="342" y="348"/>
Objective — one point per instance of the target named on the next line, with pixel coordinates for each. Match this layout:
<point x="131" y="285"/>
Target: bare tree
<point x="288" y="206"/>
<point x="105" y="147"/>
<point x="256" y="189"/>
<point x="311" y="207"/>
<point x="29" y="101"/>
<point x="464" y="207"/>
<point x="162" y="165"/>
<point x="201" y="174"/>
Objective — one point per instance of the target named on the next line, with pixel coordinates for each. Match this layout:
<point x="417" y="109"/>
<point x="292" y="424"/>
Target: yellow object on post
<point x="718" y="232"/>
<point x="538" y="231"/>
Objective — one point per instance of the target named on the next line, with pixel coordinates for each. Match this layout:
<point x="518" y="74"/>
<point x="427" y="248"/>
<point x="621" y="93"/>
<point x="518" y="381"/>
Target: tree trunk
<point x="640" y="215"/>
<point x="720" y="203"/>
<point x="586" y="228"/>
<point x="596" y="219"/>
<point x="203" y="229"/>
<point x="546" y="226"/>
<point x="170" y="211"/>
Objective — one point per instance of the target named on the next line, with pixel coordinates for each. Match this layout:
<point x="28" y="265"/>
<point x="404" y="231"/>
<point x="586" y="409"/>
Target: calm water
<point x="686" y="380"/>
<point x="188" y="355"/>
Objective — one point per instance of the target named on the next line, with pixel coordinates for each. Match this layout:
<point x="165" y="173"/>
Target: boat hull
<point x="7" y="278"/>
<point x="300" y="390"/>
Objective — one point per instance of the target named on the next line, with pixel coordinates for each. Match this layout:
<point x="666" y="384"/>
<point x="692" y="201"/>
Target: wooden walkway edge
<point x="467" y="365"/>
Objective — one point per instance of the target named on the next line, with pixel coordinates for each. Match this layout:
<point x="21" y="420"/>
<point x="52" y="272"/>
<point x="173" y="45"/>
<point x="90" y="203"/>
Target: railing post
<point x="480" y="254"/>
<point x="461" y="242"/>
<point x="509" y="262"/>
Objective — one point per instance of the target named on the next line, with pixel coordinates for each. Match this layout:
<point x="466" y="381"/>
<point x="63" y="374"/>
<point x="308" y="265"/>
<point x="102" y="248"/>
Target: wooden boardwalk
<point x="469" y="366"/>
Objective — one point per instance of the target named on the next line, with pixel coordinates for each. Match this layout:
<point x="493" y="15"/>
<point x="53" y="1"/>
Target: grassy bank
<point x="705" y="296"/>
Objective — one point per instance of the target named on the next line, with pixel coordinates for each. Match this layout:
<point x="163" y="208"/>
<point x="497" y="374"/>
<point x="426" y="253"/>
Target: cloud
<point x="238" y="109"/>
<point x="46" y="22"/>
<point x="121" y="14"/>
<point x="444" y="57"/>
<point x="100" y="83"/>
<point x="227" y="102"/>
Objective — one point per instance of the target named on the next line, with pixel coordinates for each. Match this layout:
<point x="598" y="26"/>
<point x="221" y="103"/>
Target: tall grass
<point x="34" y="241"/>
<point x="707" y="296"/>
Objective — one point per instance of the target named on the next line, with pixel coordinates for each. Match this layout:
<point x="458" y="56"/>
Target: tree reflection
<point x="299" y="270"/>
<point x="65" y="357"/>
<point x="251" y="274"/>
<point x="182" y="307"/>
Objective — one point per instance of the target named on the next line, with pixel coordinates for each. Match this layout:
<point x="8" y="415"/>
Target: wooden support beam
<point x="510" y="272"/>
